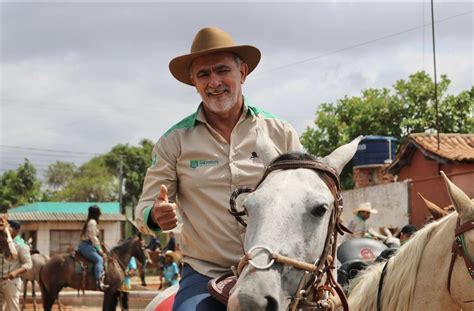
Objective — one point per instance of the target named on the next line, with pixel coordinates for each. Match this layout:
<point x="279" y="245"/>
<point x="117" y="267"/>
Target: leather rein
<point x="311" y="294"/>
<point x="459" y="248"/>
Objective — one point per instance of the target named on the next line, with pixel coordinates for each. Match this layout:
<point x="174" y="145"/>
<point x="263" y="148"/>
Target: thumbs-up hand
<point x="163" y="212"/>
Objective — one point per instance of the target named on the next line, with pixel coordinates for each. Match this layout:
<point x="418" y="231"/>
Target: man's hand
<point x="163" y="212"/>
<point x="15" y="273"/>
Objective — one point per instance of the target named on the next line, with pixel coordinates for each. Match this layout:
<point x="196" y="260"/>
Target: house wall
<point x="370" y="175"/>
<point x="111" y="232"/>
<point x="391" y="200"/>
<point x="426" y="179"/>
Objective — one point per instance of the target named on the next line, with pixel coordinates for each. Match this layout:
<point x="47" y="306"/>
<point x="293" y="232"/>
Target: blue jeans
<point x="90" y="252"/>
<point x="193" y="294"/>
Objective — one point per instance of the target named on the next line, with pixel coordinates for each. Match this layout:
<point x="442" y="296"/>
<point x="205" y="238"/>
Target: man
<point x="406" y="233"/>
<point x="15" y="227"/>
<point x="358" y="224"/>
<point x="171" y="245"/>
<point x="14" y="261"/>
<point x="203" y="158"/>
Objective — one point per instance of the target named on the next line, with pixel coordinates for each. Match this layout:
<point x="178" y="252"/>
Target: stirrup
<point x="102" y="286"/>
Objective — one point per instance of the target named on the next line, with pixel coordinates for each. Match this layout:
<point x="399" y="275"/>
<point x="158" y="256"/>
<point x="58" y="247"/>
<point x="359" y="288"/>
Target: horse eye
<point x="319" y="210"/>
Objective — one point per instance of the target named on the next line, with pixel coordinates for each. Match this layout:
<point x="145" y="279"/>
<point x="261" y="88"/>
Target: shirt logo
<point x="203" y="163"/>
<point x="255" y="158"/>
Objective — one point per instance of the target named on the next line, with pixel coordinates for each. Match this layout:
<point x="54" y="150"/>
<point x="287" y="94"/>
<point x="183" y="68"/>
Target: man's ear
<point x="244" y="71"/>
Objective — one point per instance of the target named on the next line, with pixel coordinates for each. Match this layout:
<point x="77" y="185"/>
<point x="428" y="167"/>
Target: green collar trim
<point x="190" y="121"/>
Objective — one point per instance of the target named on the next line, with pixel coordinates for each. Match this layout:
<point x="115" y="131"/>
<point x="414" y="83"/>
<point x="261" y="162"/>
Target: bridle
<point x="311" y="294"/>
<point x="459" y="248"/>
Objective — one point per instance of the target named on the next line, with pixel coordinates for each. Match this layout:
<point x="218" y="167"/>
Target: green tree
<point x="133" y="161"/>
<point x="19" y="187"/>
<point x="407" y="108"/>
<point x="91" y="183"/>
<point x="59" y="174"/>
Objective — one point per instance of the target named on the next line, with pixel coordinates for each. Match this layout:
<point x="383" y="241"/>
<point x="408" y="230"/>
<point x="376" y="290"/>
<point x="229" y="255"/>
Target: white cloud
<point x="86" y="76"/>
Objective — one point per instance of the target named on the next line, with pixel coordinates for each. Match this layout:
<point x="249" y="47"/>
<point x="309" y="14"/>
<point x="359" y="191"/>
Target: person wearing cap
<point x="406" y="233"/>
<point x="15" y="227"/>
<point x="358" y="224"/>
<point x="14" y="261"/>
<point x="202" y="159"/>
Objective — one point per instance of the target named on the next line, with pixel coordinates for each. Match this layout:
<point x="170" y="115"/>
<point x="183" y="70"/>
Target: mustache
<point x="218" y="90"/>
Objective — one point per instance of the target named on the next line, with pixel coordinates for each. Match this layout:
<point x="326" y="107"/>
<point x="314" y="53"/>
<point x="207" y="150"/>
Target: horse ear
<point x="462" y="203"/>
<point x="265" y="148"/>
<point x="342" y="155"/>
<point x="434" y="209"/>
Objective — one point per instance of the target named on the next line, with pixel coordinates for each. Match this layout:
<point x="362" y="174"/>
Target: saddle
<point x="220" y="287"/>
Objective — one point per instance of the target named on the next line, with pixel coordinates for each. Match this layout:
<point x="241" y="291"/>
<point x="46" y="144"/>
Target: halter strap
<point x="459" y="249"/>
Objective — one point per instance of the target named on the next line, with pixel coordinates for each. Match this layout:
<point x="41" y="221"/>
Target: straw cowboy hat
<point x="173" y="255"/>
<point x="365" y="207"/>
<point x="211" y="40"/>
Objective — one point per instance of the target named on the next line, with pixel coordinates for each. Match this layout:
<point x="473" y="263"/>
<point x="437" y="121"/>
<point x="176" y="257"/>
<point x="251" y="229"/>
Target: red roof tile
<point x="452" y="147"/>
<point x="455" y="147"/>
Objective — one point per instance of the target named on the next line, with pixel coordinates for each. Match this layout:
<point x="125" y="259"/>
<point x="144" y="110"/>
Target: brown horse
<point x="61" y="271"/>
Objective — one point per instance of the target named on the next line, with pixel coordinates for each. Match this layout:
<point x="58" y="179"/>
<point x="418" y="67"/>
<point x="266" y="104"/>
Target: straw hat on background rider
<point x="172" y="255"/>
<point x="365" y="207"/>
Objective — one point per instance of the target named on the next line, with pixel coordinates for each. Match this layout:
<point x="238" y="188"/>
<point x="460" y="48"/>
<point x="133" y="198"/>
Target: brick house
<point x="419" y="160"/>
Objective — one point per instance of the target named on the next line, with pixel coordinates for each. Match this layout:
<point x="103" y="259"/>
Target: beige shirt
<point x="358" y="227"/>
<point x="201" y="170"/>
<point x="91" y="233"/>
<point x="9" y="264"/>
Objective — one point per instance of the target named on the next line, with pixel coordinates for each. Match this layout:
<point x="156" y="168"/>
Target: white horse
<point x="289" y="216"/>
<point x="418" y="277"/>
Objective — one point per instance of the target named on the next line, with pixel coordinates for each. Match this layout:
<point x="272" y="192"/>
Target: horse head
<point x="288" y="215"/>
<point x="133" y="246"/>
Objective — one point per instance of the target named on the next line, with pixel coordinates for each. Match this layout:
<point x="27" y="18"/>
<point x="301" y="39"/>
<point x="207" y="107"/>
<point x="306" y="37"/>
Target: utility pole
<point x="121" y="206"/>
<point x="434" y="67"/>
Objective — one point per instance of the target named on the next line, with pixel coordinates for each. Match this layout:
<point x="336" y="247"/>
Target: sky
<point x="77" y="78"/>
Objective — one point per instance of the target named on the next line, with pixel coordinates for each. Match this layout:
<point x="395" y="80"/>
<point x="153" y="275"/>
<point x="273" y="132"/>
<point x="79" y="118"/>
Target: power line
<point x="357" y="45"/>
<point x="49" y="150"/>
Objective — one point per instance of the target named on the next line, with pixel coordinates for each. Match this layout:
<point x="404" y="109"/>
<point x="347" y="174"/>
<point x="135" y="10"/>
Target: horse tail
<point x="45" y="295"/>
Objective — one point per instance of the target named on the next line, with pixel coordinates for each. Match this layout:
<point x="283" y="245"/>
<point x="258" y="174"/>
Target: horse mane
<point x="400" y="289"/>
<point x="123" y="247"/>
<point x="293" y="156"/>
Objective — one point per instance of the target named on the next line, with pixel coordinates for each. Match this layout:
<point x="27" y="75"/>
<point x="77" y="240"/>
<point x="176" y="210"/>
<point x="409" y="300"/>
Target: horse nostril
<point x="272" y="304"/>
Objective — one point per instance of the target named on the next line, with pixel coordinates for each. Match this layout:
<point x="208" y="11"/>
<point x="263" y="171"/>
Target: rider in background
<point x="199" y="162"/>
<point x="406" y="233"/>
<point x="154" y="244"/>
<point x="171" y="245"/>
<point x="358" y="224"/>
<point x="90" y="246"/>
